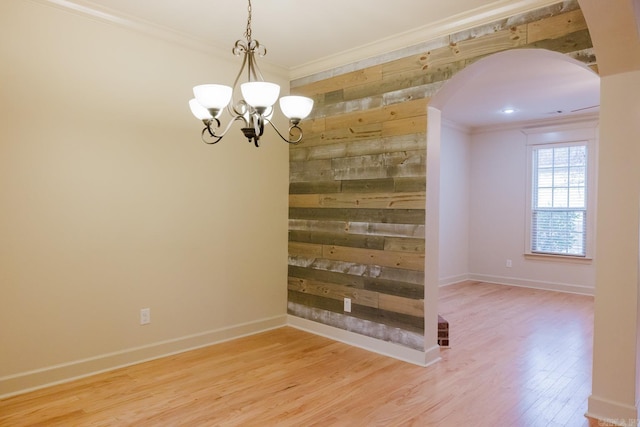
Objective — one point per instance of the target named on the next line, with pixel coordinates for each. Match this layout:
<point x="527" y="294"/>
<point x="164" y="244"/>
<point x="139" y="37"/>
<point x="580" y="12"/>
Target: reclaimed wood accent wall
<point x="357" y="181"/>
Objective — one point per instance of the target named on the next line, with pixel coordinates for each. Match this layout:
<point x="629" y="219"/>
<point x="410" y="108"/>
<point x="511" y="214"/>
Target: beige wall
<point x="111" y="203"/>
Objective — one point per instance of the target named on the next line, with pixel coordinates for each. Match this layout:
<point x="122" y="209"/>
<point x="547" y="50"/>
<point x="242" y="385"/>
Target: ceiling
<point x="304" y="35"/>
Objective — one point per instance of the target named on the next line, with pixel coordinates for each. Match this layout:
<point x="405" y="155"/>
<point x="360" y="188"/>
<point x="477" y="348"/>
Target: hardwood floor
<point x="518" y="357"/>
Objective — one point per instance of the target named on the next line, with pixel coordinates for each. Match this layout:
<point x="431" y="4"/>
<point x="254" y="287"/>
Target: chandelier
<point x="255" y="108"/>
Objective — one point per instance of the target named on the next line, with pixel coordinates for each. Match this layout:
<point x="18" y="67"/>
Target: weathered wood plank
<point x="353" y="227"/>
<point x="390" y="274"/>
<point x="371" y="271"/>
<point x="403" y="321"/>
<point x="391" y="216"/>
<point x="387" y="229"/>
<point x="401" y="87"/>
<point x="400" y="244"/>
<point x="396" y="259"/>
<point x="573" y="42"/>
<point x="405" y="260"/>
<point x="308" y="165"/>
<point x="377" y="172"/>
<point x="354" y="78"/>
<point x="384" y="185"/>
<point x="315" y="301"/>
<point x="410" y="125"/>
<point x="308" y="250"/>
<point x="556" y="26"/>
<point x="313" y="125"/>
<point x="334" y="291"/>
<point x="307" y="152"/>
<point x="361" y="132"/>
<point x="491" y="43"/>
<point x="377" y="284"/>
<point x="390" y="318"/>
<point x="358" y="200"/>
<point x="586" y="56"/>
<point x="349" y="240"/>
<point x="321" y="226"/>
<point x="392" y="303"/>
<point x="399" y="111"/>
<point x="351" y="105"/>
<point x="333" y="265"/>
<point x="389" y="287"/>
<point x="408" y="142"/>
<point x="351" y="280"/>
<point x="408" y="81"/>
<point x="354" y="132"/>
<point x="444" y="62"/>
<point x="311" y="175"/>
<point x="384" y="160"/>
<point x="410" y="184"/>
<point x="315" y="187"/>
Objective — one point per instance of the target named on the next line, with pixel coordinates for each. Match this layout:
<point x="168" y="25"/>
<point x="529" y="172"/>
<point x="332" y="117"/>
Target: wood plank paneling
<point x="338" y="292"/>
<point x="409" y="261"/>
<point x="358" y="180"/>
<point x="358" y="200"/>
<point x="349" y="240"/>
<point x="391" y="216"/>
<point x="556" y="26"/>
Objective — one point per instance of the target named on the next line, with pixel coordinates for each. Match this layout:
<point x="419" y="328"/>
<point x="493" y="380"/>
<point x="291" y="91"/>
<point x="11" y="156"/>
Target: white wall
<point x="454" y="203"/>
<point x="616" y="374"/>
<point x="111" y="203"/>
<point x="497" y="219"/>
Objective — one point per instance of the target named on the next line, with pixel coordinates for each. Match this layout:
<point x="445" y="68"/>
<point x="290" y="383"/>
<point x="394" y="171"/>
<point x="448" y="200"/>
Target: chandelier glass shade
<point x="255" y="108"/>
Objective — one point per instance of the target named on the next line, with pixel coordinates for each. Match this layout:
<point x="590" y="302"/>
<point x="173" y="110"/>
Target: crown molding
<point x="483" y="15"/>
<point x="89" y="9"/>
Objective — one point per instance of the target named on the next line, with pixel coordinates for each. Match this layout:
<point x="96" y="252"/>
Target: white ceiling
<point x="537" y="84"/>
<point x="301" y="33"/>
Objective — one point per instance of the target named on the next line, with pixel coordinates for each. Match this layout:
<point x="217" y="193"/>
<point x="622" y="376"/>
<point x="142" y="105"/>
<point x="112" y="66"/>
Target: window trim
<point x="577" y="133"/>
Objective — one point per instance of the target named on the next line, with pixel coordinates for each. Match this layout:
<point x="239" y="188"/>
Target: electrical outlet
<point x="145" y="316"/>
<point x="509" y="263"/>
<point x="347" y="305"/>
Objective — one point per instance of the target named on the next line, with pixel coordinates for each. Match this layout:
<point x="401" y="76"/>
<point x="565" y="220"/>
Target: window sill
<point x="559" y="258"/>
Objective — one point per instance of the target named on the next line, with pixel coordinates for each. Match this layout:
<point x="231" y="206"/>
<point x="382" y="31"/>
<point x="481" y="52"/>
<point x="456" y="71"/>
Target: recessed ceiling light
<point x="508" y="110"/>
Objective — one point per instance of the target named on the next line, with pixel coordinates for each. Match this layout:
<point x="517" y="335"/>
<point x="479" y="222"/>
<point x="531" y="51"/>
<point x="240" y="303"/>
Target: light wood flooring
<point x="518" y="357"/>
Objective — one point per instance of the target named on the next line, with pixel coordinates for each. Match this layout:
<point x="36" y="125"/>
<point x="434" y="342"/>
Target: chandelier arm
<point x="209" y="135"/>
<point x="289" y="141"/>
<point x="238" y="108"/>
<point x="254" y="72"/>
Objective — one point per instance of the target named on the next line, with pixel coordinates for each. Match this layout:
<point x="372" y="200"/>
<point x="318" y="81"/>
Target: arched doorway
<point x="544" y="88"/>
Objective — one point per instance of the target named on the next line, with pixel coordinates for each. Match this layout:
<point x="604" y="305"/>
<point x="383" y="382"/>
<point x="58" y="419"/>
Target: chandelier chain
<point x="247" y="33"/>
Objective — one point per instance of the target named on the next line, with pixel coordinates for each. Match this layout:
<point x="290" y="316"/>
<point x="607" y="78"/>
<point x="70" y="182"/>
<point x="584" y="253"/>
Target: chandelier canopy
<point x="255" y="108"/>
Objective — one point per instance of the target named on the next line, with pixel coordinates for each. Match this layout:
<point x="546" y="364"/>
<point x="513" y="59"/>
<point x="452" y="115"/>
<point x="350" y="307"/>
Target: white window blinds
<point x="559" y="200"/>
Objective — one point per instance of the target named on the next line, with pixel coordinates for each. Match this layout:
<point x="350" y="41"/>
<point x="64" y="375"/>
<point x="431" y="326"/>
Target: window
<point x="560" y="205"/>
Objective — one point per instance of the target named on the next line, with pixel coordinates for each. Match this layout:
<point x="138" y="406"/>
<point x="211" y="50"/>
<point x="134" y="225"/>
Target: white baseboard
<point x="612" y="413"/>
<point x="534" y="284"/>
<point x="32" y="380"/>
<point x="417" y="357"/>
<point x="452" y="280"/>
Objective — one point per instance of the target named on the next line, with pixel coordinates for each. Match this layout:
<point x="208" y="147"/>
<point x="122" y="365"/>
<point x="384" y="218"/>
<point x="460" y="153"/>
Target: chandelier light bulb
<point x="296" y="107"/>
<point x="260" y="94"/>
<point x="213" y="97"/>
<point x="199" y="111"/>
